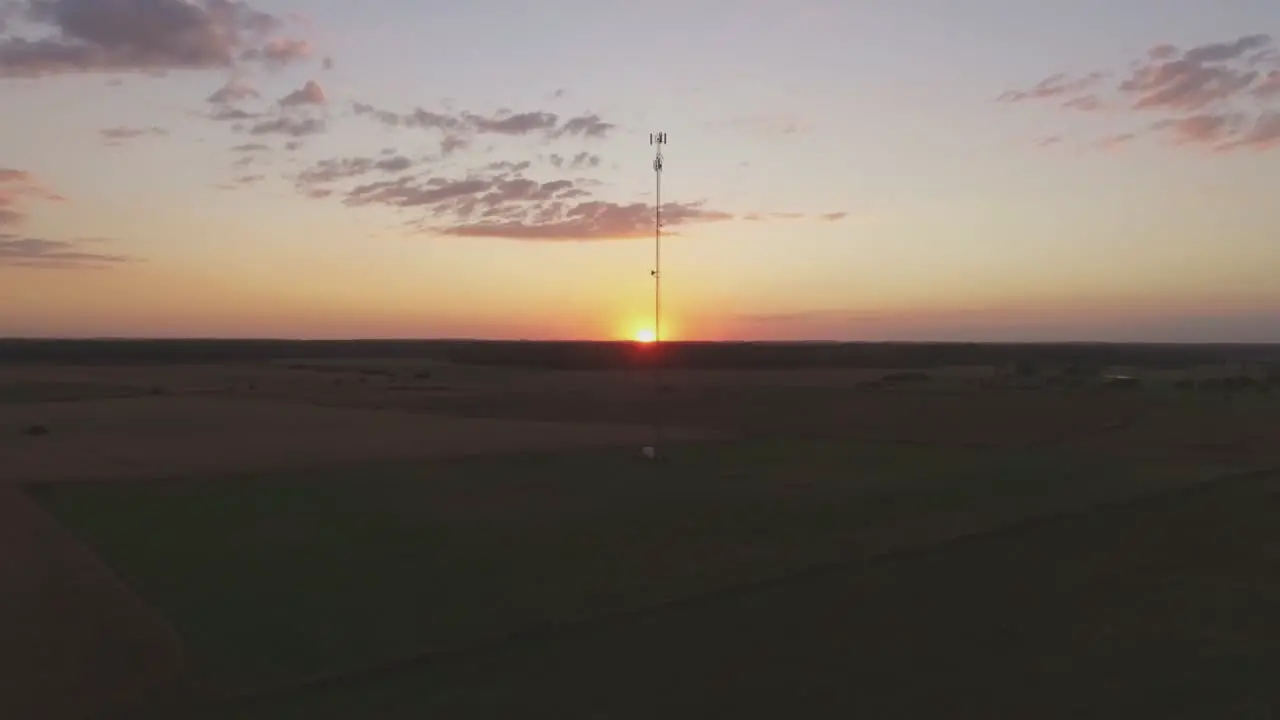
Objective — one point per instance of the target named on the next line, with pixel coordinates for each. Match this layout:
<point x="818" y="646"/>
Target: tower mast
<point x="657" y="140"/>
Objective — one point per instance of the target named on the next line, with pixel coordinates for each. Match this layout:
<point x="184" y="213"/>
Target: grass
<point x="271" y="579"/>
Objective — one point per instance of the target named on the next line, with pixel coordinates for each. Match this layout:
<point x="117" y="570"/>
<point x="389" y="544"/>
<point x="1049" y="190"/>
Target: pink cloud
<point x="1208" y="95"/>
<point x="1204" y="129"/>
<point x="1115" y="142"/>
<point x="16" y="188"/>
<point x="119" y="135"/>
<point x="592" y="220"/>
<point x="1270" y="86"/>
<point x="309" y="94"/>
<point x="41" y="253"/>
<point x="280" y="51"/>
<point x="151" y="36"/>
<point x="496" y="201"/>
<point x="541" y="122"/>
<point x="1084" y="103"/>
<point x="1054" y="86"/>
<point x="1264" y="134"/>
<point x="236" y="90"/>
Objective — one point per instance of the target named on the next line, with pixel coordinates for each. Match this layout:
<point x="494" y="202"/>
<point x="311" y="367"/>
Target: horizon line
<point x="198" y="338"/>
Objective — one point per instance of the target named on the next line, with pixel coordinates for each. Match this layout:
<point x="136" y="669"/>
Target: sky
<point x="835" y="170"/>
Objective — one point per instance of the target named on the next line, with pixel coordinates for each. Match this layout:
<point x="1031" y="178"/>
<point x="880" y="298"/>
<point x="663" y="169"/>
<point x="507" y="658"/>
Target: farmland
<point x="351" y="530"/>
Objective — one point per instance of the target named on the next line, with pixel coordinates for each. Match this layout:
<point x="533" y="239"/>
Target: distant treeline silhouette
<point x="626" y="355"/>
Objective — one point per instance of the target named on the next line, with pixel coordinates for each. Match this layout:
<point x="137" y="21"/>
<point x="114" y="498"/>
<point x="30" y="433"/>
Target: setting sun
<point x="645" y="336"/>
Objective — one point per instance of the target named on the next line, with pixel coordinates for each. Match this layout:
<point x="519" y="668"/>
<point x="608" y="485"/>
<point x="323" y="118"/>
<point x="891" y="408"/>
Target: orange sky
<point x="832" y="173"/>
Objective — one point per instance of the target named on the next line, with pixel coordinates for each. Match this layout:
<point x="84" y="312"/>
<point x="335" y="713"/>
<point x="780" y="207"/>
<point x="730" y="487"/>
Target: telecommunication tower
<point x="657" y="140"/>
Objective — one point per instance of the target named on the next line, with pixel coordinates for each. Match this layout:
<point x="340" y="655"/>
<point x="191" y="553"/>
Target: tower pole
<point x="657" y="249"/>
<point x="657" y="140"/>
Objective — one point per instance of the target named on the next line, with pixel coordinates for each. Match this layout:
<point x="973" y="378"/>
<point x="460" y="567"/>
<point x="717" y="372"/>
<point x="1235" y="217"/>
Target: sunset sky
<point x="842" y="169"/>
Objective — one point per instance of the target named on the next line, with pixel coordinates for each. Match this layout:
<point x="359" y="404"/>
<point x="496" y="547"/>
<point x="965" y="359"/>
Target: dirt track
<point x="160" y="436"/>
<point x="75" y="642"/>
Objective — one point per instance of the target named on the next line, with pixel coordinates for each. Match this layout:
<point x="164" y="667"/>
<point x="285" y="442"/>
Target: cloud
<point x="1165" y="78"/>
<point x="509" y="166"/>
<point x="242" y="181"/>
<point x="118" y="135"/>
<point x="309" y="94"/>
<point x="1264" y="134"/>
<point x="417" y="119"/>
<point x="1195" y="80"/>
<point x="232" y="114"/>
<point x="500" y="123"/>
<point x="496" y="201"/>
<point x="16" y="251"/>
<point x="278" y="52"/>
<point x="334" y="169"/>
<point x="1203" y="129"/>
<point x="1115" y="142"/>
<point x="114" y="36"/>
<point x="822" y="217"/>
<point x="585" y="125"/>
<point x="1084" y="103"/>
<point x="294" y="127"/>
<point x="591" y="220"/>
<point x="1049" y="140"/>
<point x="1218" y="52"/>
<point x="580" y="161"/>
<point x="450" y="144"/>
<point x="9" y="11"/>
<point x="251" y="148"/>
<point x="1212" y="95"/>
<point x="1269" y="87"/>
<point x="1054" y="86"/>
<point x="584" y="160"/>
<point x="17" y="187"/>
<point x="9" y="175"/>
<point x="395" y="163"/>
<point x="514" y="124"/>
<point x="236" y="90"/>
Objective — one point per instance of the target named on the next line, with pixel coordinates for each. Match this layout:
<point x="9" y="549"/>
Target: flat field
<point x="392" y="537"/>
<point x="276" y="578"/>
<point x="1163" y="607"/>
<point x="148" y="436"/>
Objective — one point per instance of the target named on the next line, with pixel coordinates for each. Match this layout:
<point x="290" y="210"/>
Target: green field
<point x="277" y="579"/>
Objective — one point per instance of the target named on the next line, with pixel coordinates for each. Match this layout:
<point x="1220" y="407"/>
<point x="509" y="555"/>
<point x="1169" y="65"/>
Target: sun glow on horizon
<point x="645" y="335"/>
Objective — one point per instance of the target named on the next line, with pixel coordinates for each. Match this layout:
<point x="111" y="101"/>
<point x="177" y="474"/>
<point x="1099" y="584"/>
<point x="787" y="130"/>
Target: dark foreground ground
<point x="1160" y="607"/>
<point x="902" y="530"/>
